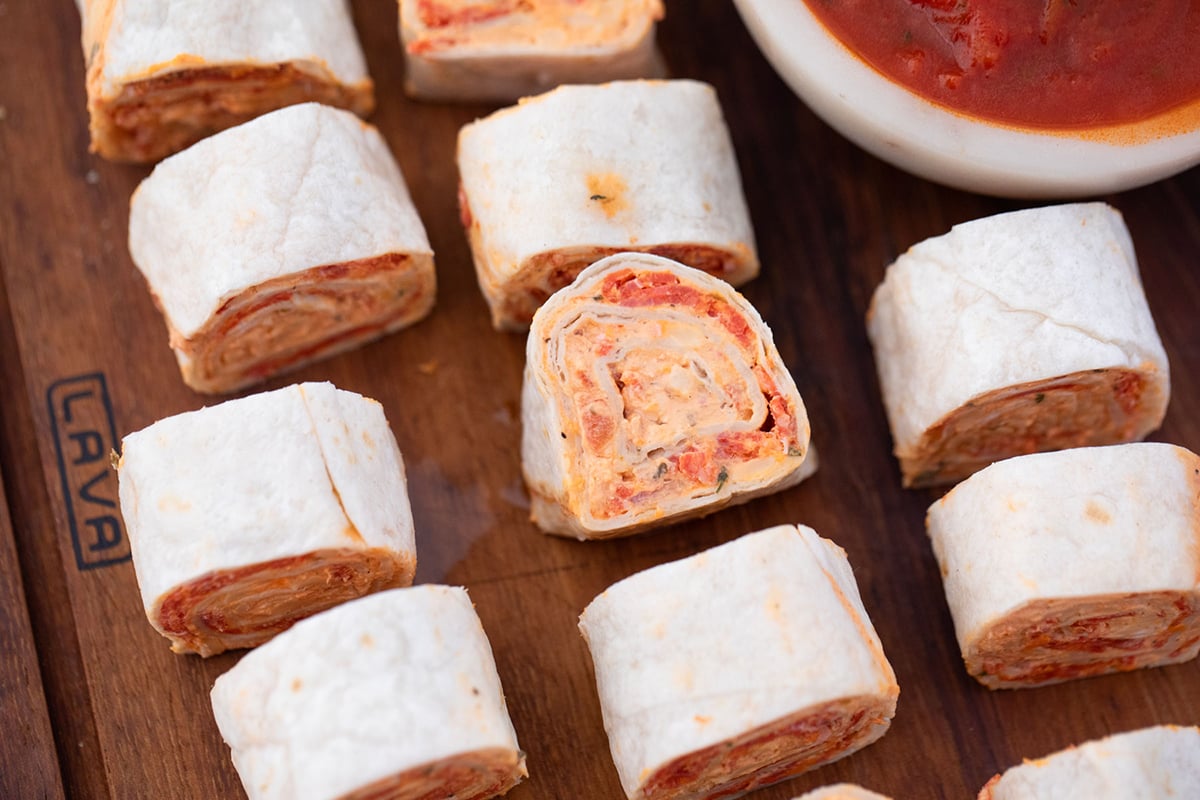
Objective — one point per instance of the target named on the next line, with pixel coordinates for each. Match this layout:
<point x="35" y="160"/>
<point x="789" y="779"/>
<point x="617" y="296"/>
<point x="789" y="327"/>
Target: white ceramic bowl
<point x="926" y="139"/>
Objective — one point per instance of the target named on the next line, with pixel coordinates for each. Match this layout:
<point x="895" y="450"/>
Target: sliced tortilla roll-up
<point x="161" y="76"/>
<point x="392" y="696"/>
<point x="247" y="516"/>
<point x="1015" y="334"/>
<point x="563" y="179"/>
<point x="284" y="240"/>
<point x="500" y="50"/>
<point x="653" y="392"/>
<point x="1076" y="563"/>
<point x="738" y="667"/>
<point x="842" y="791"/>
<point x="1151" y="763"/>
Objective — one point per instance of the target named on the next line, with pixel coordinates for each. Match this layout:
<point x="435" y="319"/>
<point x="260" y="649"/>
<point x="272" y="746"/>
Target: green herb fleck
<point x="662" y="470"/>
<point x="795" y="452"/>
<point x="722" y="476"/>
<point x="1039" y="397"/>
<point x="597" y="297"/>
<point x="908" y="37"/>
<point x="600" y="197"/>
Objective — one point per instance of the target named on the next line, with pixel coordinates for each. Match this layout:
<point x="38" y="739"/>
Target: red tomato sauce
<point x="1035" y="63"/>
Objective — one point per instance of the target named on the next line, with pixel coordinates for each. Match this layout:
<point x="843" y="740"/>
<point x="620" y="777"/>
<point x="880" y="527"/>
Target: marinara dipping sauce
<point x="1031" y="63"/>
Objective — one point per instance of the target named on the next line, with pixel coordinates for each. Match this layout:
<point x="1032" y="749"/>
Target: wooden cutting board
<point x="83" y="360"/>
<point x="28" y="766"/>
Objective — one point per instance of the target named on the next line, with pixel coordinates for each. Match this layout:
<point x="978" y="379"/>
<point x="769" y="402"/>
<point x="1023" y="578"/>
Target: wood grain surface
<point x="83" y="359"/>
<point x="29" y="765"/>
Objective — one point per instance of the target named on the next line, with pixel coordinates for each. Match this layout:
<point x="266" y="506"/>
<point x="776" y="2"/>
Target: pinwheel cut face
<point x="513" y="25"/>
<point x="152" y="118"/>
<point x="1056" y="640"/>
<point x="244" y="607"/>
<point x="773" y="752"/>
<point x="471" y="776"/>
<point x="289" y="321"/>
<point x="1082" y="409"/>
<point x="673" y="395"/>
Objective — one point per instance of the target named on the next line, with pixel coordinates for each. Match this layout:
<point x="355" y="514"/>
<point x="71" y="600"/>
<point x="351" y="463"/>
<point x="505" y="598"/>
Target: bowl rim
<point x="929" y="140"/>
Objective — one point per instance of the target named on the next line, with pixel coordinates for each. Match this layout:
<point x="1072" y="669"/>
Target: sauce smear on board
<point x="1036" y="63"/>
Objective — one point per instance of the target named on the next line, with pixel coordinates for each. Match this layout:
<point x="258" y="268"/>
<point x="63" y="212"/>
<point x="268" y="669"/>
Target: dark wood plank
<point x="50" y="616"/>
<point x="828" y="218"/>
<point x="28" y="764"/>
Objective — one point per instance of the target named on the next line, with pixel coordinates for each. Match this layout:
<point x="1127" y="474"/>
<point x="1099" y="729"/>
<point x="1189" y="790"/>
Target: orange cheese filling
<point x="766" y="755"/>
<point x="156" y="116"/>
<point x="297" y="318"/>
<point x="470" y="776"/>
<point x="673" y="404"/>
<point x="550" y="24"/>
<point x="1060" y="640"/>
<point x="546" y="273"/>
<point x="1103" y="406"/>
<point x="246" y="606"/>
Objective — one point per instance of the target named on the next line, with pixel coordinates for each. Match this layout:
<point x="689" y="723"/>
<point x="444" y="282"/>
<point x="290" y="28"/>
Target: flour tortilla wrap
<point x="842" y="791"/>
<point x="561" y="180"/>
<point x="500" y="50"/>
<point x="284" y="240"/>
<point x="746" y="664"/>
<point x="246" y="516"/>
<point x="1076" y="563"/>
<point x="653" y="392"/>
<point x="161" y="76"/>
<point x="1015" y="334"/>
<point x="392" y="696"/>
<point x="1159" y="762"/>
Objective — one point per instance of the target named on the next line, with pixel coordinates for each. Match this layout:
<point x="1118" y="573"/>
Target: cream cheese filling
<point x="659" y="398"/>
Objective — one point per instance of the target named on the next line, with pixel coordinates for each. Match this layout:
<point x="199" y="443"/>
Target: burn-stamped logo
<point x="81" y="421"/>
